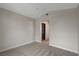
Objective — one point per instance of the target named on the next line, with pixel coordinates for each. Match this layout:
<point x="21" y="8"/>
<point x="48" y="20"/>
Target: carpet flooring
<point x="37" y="49"/>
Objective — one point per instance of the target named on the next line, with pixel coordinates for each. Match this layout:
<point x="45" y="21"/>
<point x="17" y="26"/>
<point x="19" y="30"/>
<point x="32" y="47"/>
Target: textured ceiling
<point x="36" y="10"/>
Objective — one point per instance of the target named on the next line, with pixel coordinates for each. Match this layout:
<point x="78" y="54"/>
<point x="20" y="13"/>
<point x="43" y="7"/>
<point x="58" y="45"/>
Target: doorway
<point x="44" y="32"/>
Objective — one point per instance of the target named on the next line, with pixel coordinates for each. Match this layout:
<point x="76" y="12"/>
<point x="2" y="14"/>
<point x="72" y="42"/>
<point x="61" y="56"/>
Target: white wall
<point x="15" y="30"/>
<point x="63" y="29"/>
<point x="37" y="31"/>
<point x="78" y="26"/>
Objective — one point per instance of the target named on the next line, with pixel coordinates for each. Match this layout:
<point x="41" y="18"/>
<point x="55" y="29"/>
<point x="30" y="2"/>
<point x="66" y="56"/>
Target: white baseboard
<point x="15" y="46"/>
<point x="37" y="40"/>
<point x="64" y="48"/>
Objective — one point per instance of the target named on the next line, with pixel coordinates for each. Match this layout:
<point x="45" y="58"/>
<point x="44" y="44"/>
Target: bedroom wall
<point x="63" y="29"/>
<point x="38" y="31"/>
<point x="15" y="30"/>
<point x="78" y="26"/>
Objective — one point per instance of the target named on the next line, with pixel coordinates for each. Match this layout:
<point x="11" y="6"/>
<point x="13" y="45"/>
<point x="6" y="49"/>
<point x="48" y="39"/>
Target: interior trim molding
<point x="15" y="46"/>
<point x="64" y="48"/>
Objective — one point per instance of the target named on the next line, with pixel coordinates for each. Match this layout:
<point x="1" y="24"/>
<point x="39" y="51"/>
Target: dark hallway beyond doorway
<point x="43" y="31"/>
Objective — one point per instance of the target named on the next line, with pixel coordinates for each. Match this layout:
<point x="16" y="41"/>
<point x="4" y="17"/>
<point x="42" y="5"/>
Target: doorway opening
<point x="44" y="32"/>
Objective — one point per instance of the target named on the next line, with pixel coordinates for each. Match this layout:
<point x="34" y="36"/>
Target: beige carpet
<point x="37" y="49"/>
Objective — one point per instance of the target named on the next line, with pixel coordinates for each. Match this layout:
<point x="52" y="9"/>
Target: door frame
<point x="44" y="21"/>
